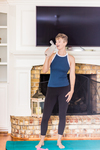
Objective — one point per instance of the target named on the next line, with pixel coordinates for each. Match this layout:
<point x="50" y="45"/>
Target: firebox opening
<point x="84" y="100"/>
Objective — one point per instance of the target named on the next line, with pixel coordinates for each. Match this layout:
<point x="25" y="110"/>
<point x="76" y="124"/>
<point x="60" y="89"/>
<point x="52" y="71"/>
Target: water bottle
<point x="51" y="49"/>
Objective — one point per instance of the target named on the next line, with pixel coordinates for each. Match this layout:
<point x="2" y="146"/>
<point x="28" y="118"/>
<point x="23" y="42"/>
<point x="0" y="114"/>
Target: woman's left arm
<point x="72" y="78"/>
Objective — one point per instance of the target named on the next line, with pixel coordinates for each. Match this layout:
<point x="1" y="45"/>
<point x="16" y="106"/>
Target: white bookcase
<point x="3" y="67"/>
<point x="3" y="47"/>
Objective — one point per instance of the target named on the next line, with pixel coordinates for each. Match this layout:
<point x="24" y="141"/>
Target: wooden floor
<point x="3" y="139"/>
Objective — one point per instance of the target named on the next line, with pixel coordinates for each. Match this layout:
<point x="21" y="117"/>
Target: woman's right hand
<point x="46" y="51"/>
<point x="49" y="53"/>
<point x="47" y="62"/>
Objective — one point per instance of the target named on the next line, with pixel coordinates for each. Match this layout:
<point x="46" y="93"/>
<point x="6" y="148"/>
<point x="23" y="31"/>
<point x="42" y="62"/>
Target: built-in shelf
<point x="3" y="82"/>
<point x="3" y="63"/>
<point x="3" y="44"/>
<point x="3" y="48"/>
<point x="4" y="10"/>
<point x="3" y="27"/>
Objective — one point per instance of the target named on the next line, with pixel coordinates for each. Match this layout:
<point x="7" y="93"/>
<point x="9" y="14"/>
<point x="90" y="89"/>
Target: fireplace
<point x="84" y="98"/>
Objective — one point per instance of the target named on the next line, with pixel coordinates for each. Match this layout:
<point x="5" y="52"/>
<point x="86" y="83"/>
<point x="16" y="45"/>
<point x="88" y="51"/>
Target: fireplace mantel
<point x="86" y="57"/>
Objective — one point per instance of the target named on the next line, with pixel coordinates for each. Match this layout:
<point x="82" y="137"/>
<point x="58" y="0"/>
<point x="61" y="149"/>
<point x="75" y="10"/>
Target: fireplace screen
<point x="85" y="98"/>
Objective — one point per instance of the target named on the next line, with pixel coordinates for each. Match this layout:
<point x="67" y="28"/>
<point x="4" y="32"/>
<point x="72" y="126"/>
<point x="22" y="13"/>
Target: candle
<point x="38" y="110"/>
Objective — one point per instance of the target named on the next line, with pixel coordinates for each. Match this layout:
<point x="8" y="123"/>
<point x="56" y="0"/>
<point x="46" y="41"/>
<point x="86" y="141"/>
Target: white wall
<point x="23" y="54"/>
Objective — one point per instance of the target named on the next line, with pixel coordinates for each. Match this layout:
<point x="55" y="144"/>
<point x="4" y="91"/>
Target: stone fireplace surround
<point x="26" y="127"/>
<point x="84" y="69"/>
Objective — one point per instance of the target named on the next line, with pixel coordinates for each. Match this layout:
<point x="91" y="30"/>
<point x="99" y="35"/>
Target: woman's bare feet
<point x="60" y="145"/>
<point x="40" y="144"/>
<point x="59" y="142"/>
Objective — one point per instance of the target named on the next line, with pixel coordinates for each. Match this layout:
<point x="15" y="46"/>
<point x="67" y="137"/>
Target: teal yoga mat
<point x="52" y="145"/>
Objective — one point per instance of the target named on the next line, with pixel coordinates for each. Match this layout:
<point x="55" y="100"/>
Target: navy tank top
<point x="58" y="71"/>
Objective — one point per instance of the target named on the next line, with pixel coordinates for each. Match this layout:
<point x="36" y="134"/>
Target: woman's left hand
<point x="69" y="96"/>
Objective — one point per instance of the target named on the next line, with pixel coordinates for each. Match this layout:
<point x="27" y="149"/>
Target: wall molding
<point x="56" y="2"/>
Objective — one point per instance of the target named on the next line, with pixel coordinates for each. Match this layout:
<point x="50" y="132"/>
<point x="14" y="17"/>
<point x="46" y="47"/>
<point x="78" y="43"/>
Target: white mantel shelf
<point x="86" y="57"/>
<point x="41" y="52"/>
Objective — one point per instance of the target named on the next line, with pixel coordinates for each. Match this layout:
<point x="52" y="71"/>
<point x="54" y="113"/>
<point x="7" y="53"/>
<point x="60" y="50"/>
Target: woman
<point x="58" y="86"/>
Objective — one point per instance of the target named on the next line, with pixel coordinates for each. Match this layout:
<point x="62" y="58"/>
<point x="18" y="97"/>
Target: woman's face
<point x="60" y="43"/>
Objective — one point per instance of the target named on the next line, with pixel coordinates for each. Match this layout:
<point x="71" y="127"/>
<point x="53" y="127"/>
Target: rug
<point x="52" y="145"/>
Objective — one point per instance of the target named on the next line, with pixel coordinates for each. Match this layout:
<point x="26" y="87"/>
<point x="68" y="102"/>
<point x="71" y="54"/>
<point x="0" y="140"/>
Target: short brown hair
<point x="63" y="36"/>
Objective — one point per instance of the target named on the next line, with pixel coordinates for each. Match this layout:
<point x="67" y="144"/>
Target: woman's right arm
<point x="47" y="63"/>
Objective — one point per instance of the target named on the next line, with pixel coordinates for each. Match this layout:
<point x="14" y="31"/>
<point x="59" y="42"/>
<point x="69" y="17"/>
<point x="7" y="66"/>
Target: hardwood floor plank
<point x="3" y="139"/>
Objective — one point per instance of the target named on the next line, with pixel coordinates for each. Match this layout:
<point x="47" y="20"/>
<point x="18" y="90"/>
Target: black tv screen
<point x="80" y="24"/>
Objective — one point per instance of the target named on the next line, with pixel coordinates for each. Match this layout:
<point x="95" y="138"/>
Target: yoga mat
<point x="52" y="145"/>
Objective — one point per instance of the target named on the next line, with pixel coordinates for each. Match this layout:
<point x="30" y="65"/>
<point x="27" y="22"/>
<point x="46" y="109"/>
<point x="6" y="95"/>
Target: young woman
<point x="58" y="86"/>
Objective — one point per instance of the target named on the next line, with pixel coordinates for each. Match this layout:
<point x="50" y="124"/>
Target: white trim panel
<point x="3" y="106"/>
<point x="23" y="92"/>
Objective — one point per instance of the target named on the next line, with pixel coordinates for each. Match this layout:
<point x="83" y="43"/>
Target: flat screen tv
<point x="80" y="24"/>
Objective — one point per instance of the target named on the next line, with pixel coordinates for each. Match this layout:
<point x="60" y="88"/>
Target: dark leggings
<point x="53" y="94"/>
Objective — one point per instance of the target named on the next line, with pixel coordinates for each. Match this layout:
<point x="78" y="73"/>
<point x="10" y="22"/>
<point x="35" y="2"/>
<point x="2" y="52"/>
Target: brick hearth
<point x="28" y="128"/>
